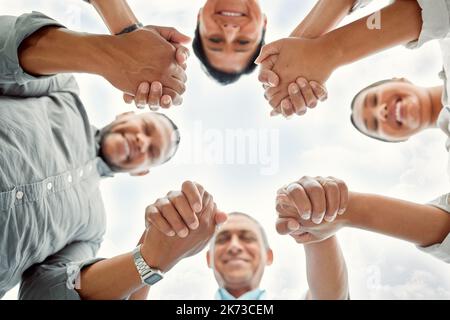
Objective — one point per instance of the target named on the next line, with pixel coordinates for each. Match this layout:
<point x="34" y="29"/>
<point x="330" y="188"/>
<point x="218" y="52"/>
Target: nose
<point x="382" y="112"/>
<point x="234" y="246"/>
<point x="230" y="30"/>
<point x="144" y="142"/>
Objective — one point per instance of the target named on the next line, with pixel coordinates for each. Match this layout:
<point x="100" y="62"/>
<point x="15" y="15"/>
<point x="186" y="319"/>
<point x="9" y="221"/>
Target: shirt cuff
<point x="360" y="4"/>
<point x="440" y="251"/>
<point x="435" y="21"/>
<point x="26" y="25"/>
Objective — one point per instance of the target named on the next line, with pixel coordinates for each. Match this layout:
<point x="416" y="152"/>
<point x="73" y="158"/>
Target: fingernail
<point x="156" y="87"/>
<point x="293" y="226"/>
<point x="183" y="233"/>
<point x="294" y="89"/>
<point x="306" y="216"/>
<point x="154" y="108"/>
<point x="329" y="219"/>
<point x="140" y="105"/>
<point x="171" y="233"/>
<point x="166" y="100"/>
<point x="317" y="220"/>
<point x="341" y="212"/>
<point x="194" y="225"/>
<point x="197" y="207"/>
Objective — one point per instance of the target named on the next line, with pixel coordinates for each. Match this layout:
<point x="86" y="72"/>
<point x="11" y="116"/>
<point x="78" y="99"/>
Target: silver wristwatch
<point x="149" y="275"/>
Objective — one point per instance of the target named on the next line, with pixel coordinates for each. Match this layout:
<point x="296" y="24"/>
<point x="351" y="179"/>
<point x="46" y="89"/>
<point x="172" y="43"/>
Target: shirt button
<point x="49" y="186"/>
<point x="19" y="195"/>
<point x="81" y="173"/>
<point x="69" y="178"/>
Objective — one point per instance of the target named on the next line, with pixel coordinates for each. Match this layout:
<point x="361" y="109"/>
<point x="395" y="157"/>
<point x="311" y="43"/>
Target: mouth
<point x="130" y="148"/>
<point x="235" y="260"/>
<point x="399" y="112"/>
<point x="231" y="14"/>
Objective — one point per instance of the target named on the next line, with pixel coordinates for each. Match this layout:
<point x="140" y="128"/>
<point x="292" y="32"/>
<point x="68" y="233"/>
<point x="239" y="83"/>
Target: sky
<point x="242" y="156"/>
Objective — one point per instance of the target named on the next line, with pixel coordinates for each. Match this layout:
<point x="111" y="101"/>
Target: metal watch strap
<point x="142" y="267"/>
<point x="131" y="28"/>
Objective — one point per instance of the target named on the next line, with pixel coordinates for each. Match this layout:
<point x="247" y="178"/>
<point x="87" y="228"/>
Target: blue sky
<point x="321" y="143"/>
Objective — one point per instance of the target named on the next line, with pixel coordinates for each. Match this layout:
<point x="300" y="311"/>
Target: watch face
<point x="153" y="278"/>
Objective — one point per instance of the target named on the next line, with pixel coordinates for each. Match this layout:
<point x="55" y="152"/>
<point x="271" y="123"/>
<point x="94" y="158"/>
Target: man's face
<point x="231" y="31"/>
<point x="239" y="254"/>
<point x="136" y="142"/>
<point x="392" y="111"/>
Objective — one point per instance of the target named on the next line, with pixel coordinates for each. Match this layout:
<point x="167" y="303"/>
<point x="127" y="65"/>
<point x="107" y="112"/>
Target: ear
<point x="265" y="21"/>
<point x="125" y="114"/>
<point x="198" y="15"/>
<point x="208" y="259"/>
<point x="269" y="257"/>
<point x="140" y="173"/>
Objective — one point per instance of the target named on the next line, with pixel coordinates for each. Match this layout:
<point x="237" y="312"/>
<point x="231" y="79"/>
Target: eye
<point x="243" y="42"/>
<point x="215" y="40"/>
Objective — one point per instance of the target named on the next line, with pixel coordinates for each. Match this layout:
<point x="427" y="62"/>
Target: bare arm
<point x="420" y="224"/>
<point x="116" y="14"/>
<point x="325" y="15"/>
<point x="326" y="270"/>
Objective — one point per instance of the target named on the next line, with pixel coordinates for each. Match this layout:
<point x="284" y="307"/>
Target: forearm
<point x="326" y="270"/>
<point x="110" y="279"/>
<point x="141" y="294"/>
<point x="56" y="50"/>
<point x="420" y="224"/>
<point x="116" y="14"/>
<point x="356" y="41"/>
<point x="325" y="15"/>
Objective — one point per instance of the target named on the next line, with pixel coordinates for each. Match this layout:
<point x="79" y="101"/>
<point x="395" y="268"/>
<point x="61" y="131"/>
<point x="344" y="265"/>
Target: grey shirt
<point x="52" y="217"/>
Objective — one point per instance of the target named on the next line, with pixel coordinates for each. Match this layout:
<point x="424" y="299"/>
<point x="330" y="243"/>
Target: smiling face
<point x="136" y="142"/>
<point x="231" y="31"/>
<point x="393" y="111"/>
<point x="239" y="255"/>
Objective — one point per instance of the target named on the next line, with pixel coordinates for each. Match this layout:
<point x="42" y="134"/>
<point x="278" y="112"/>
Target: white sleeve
<point x="440" y="250"/>
<point x="435" y="21"/>
<point x="360" y="4"/>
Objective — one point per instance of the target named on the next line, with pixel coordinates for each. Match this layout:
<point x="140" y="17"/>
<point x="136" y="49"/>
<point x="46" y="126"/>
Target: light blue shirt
<point x="257" y="294"/>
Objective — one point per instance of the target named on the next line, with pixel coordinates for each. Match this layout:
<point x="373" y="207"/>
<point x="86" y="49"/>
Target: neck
<point x="238" y="292"/>
<point x="435" y="94"/>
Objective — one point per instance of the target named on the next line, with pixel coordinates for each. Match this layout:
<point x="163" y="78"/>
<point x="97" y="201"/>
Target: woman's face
<point x="231" y="31"/>
<point x="392" y="111"/>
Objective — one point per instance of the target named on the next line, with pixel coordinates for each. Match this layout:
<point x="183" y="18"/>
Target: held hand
<point x="289" y="59"/>
<point x="315" y="199"/>
<point x="178" y="212"/>
<point x="145" y="56"/>
<point x="152" y="95"/>
<point x="163" y="252"/>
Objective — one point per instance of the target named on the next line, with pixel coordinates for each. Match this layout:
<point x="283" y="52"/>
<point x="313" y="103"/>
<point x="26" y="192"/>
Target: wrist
<point x="155" y="257"/>
<point x="351" y="217"/>
<point x="335" y="54"/>
<point x="116" y="14"/>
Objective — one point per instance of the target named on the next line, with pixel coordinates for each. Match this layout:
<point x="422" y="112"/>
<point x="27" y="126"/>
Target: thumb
<point x="128" y="98"/>
<point x="182" y="54"/>
<point x="173" y="35"/>
<point x="268" y="50"/>
<point x="220" y="217"/>
<point x="287" y="226"/>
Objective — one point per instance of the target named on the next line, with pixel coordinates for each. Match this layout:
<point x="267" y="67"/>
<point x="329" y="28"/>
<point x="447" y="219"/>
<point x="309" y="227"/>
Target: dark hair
<point x="352" y="120"/>
<point x="220" y="76"/>
<point x="177" y="137"/>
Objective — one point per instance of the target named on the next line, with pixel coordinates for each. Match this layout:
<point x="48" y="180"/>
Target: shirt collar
<point x="257" y="294"/>
<point x="103" y="168"/>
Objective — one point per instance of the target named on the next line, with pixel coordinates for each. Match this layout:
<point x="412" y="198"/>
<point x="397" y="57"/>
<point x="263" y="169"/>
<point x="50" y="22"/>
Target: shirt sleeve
<point x="360" y="4"/>
<point x="440" y="251"/>
<point x="435" y="21"/>
<point x="58" y="276"/>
